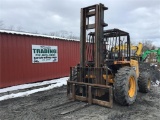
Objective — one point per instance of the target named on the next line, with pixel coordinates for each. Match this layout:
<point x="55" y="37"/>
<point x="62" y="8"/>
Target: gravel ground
<point x="43" y="106"/>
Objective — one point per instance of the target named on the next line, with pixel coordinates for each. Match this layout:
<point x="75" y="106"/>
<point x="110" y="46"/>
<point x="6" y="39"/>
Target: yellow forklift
<point x="104" y="70"/>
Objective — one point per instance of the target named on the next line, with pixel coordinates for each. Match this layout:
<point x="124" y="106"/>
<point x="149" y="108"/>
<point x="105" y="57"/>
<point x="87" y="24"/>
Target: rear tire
<point x="125" y="86"/>
<point x="144" y="82"/>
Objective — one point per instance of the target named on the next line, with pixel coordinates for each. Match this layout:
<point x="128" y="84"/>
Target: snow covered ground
<point x="53" y="83"/>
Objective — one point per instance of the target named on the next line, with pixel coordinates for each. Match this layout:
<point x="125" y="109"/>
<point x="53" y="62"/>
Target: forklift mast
<point x="97" y="12"/>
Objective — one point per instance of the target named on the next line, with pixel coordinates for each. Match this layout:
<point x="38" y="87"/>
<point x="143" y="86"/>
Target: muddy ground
<point x="44" y="106"/>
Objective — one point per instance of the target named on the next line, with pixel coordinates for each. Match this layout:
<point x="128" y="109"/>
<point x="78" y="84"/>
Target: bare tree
<point x="45" y="34"/>
<point x="148" y="45"/>
<point x="11" y="27"/>
<point x="35" y="32"/>
<point x="1" y="24"/>
<point x="19" y="28"/>
<point x="57" y="33"/>
<point x="64" y="34"/>
<point x="52" y="33"/>
<point x="61" y="33"/>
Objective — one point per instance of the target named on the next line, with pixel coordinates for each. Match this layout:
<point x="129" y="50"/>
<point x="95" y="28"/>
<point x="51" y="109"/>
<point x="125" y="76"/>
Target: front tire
<point x="125" y="86"/>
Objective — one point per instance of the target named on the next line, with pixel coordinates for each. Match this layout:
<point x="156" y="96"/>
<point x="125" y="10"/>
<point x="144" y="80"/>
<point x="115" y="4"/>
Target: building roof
<point x="36" y="35"/>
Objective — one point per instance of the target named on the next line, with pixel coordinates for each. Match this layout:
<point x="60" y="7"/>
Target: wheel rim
<point x="132" y="87"/>
<point x="149" y="84"/>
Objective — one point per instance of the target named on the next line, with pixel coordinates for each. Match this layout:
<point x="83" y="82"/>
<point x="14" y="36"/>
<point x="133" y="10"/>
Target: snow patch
<point x="157" y="83"/>
<point x="24" y="86"/>
<point x="59" y="82"/>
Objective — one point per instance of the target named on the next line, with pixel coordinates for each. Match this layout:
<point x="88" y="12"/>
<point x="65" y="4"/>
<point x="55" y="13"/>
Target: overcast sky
<point x="141" y="18"/>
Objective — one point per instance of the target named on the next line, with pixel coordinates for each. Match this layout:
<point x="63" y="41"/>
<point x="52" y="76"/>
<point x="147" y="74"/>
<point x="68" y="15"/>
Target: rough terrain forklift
<point x="105" y="71"/>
